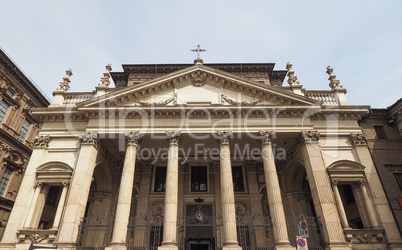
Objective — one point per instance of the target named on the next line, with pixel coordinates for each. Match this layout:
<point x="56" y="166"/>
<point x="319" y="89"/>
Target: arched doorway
<point x="300" y="206"/>
<point x="97" y="225"/>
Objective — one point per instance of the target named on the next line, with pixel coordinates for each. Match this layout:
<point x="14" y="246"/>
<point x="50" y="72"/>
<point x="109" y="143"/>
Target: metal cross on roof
<point x="198" y="50"/>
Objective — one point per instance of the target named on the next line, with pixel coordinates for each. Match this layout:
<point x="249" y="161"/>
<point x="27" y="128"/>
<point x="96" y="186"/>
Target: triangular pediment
<point x="200" y="85"/>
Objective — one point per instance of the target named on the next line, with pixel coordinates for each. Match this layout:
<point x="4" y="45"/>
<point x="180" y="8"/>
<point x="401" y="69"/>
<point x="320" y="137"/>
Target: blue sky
<point x="361" y="40"/>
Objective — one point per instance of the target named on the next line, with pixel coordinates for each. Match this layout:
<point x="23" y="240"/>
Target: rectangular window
<point x="237" y="174"/>
<point x="198" y="179"/>
<point x="3" y="109"/>
<point x="346" y="194"/>
<point x="51" y="199"/>
<point x="160" y="179"/>
<point x="24" y="130"/>
<point x="379" y="131"/>
<point x="398" y="178"/>
<point x="5" y="180"/>
<point x="10" y="93"/>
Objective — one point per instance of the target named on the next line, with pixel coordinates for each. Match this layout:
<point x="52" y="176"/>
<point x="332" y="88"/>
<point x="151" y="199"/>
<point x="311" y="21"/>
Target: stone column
<point x="227" y="193"/>
<point x="321" y="191"/>
<point x="369" y="206"/>
<point x="60" y="206"/>
<point x="273" y="192"/>
<point x="79" y="191"/>
<point x="171" y="193"/>
<point x="340" y="206"/>
<point x="40" y="204"/>
<point x="125" y="192"/>
<point x="32" y="208"/>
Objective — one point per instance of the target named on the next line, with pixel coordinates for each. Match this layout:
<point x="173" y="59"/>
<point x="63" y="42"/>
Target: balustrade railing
<point x="326" y="97"/>
<point x="74" y="98"/>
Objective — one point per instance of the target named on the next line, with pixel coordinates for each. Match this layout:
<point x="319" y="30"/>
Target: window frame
<point x="243" y="178"/>
<point x="20" y="138"/>
<point x="154" y="179"/>
<point x="206" y="178"/>
<point x="380" y="132"/>
<point x="2" y="111"/>
<point x="10" y="172"/>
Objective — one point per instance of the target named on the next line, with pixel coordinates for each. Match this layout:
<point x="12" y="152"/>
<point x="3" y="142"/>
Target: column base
<point x="168" y="246"/>
<point x="65" y="246"/>
<point x="231" y="246"/>
<point x="336" y="246"/>
<point x="117" y="246"/>
<point x="286" y="246"/>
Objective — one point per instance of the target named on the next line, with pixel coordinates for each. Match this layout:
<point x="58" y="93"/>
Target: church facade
<point x="201" y="156"/>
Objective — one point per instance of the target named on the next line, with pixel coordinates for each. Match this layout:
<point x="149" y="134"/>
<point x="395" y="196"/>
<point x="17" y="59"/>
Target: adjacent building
<point x="18" y="94"/>
<point x="201" y="156"/>
<point x="383" y="130"/>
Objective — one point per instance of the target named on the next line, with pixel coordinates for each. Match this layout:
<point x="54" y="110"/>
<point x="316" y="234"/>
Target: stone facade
<point x="201" y="157"/>
<point x="383" y="131"/>
<point x="17" y="130"/>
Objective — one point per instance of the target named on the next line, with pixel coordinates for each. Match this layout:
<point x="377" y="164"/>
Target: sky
<point x="361" y="40"/>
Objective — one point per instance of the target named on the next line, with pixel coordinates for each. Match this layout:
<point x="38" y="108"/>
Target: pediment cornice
<point x="197" y="75"/>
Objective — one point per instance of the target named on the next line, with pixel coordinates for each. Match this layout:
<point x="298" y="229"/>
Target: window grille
<point x="379" y="131"/>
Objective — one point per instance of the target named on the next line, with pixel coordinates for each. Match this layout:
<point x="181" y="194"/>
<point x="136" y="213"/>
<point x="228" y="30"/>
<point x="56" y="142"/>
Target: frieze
<point x="224" y="137"/>
<point x="310" y="136"/>
<point x="41" y="141"/>
<point x="174" y="137"/>
<point x="224" y="99"/>
<point x="90" y="138"/>
<point x="158" y="104"/>
<point x="265" y="137"/>
<point x="133" y="137"/>
<point x="358" y="139"/>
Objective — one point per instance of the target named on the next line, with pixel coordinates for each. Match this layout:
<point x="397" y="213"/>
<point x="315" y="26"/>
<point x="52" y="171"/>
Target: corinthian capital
<point x="174" y="137"/>
<point x="133" y="137"/>
<point x="358" y="139"/>
<point x="89" y="138"/>
<point x="310" y="136"/>
<point x="265" y="137"/>
<point x="224" y="137"/>
<point x="41" y="141"/>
